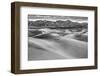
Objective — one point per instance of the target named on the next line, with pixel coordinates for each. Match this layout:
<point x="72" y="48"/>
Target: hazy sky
<point x="55" y="17"/>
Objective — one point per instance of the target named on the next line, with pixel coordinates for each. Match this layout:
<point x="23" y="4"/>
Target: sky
<point x="55" y="17"/>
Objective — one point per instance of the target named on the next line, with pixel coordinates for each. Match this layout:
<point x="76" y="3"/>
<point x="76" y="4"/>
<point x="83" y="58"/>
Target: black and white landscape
<point x="52" y="37"/>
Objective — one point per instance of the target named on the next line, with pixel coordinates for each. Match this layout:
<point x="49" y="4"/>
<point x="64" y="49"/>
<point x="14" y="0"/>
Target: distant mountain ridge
<point x="56" y="24"/>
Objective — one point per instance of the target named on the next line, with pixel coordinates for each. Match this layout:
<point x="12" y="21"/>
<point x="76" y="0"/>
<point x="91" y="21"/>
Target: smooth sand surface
<point x="51" y="49"/>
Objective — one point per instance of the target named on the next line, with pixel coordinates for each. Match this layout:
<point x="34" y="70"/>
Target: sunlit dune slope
<point x="62" y="48"/>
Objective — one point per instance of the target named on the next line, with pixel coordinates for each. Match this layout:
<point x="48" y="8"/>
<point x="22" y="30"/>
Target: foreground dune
<point x="48" y="49"/>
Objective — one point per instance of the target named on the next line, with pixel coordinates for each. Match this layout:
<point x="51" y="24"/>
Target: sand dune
<point x="64" y="48"/>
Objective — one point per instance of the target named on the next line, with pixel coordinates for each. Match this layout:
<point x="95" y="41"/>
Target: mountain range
<point x="56" y="24"/>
